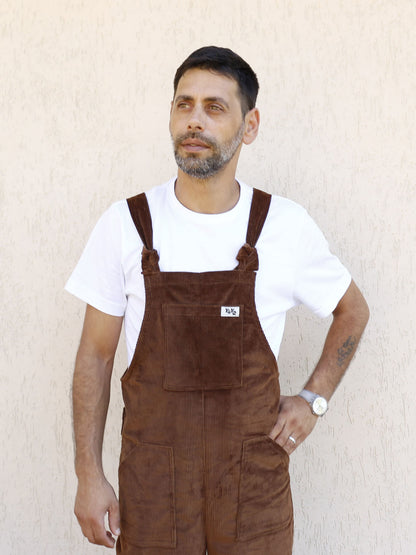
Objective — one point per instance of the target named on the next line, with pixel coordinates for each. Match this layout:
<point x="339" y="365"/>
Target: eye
<point x="182" y="105"/>
<point x="215" y="108"/>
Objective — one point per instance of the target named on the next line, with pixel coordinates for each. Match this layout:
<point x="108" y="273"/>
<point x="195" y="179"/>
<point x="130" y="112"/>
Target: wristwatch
<point x="318" y="404"/>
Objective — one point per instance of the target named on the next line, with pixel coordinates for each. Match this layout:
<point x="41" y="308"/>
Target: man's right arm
<point x="91" y="394"/>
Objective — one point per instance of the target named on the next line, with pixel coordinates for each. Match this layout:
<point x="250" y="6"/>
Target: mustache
<point x="192" y="135"/>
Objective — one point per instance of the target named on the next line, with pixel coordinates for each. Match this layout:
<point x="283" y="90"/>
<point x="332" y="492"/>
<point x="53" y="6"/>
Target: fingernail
<point x="118" y="532"/>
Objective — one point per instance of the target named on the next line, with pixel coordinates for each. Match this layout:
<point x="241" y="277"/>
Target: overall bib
<point x="197" y="469"/>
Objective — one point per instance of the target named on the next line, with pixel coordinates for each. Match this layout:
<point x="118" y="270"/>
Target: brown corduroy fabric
<point x="197" y="469"/>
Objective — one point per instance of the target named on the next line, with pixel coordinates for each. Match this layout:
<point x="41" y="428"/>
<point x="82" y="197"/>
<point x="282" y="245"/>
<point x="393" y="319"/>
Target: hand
<point x="296" y="420"/>
<point x="94" y="499"/>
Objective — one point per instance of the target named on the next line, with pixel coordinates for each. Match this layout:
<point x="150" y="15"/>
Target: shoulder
<point x="115" y="214"/>
<point x="158" y="196"/>
<point x="117" y="218"/>
<point x="280" y="207"/>
<point x="285" y="219"/>
<point x="283" y="207"/>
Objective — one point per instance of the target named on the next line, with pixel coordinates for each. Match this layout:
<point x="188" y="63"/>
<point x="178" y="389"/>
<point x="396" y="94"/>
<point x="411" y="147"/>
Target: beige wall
<point x="84" y="100"/>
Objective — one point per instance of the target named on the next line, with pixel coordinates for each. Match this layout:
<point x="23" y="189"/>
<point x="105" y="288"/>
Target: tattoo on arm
<point x="345" y="351"/>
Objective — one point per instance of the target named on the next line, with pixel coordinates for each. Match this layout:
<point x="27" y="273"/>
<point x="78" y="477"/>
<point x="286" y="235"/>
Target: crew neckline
<point x="191" y="214"/>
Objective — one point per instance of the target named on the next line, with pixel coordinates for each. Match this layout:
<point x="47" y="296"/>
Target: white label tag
<point x="230" y="311"/>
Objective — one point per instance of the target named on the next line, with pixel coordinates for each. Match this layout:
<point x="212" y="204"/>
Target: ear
<point x="252" y="122"/>
<point x="170" y="115"/>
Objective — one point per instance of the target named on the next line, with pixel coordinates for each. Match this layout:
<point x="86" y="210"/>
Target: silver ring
<point x="292" y="439"/>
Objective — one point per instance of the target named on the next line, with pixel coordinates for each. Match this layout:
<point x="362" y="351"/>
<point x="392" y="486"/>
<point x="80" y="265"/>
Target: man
<point x="206" y="435"/>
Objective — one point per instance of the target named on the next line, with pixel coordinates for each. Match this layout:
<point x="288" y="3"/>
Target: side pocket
<point x="265" y="501"/>
<point x="147" y="495"/>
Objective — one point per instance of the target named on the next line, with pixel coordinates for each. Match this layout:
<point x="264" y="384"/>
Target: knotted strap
<point x="247" y="256"/>
<point x="140" y="213"/>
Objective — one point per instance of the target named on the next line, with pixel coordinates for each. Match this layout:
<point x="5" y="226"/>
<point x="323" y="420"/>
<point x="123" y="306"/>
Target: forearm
<point x="350" y="319"/>
<point x="296" y="420"/>
<point x="91" y="394"/>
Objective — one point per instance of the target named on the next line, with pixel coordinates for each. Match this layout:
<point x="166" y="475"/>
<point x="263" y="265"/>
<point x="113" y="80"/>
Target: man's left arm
<point x="295" y="415"/>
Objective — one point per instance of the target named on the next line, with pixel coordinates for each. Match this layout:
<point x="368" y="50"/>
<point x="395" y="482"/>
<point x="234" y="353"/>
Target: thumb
<point x="114" y="518"/>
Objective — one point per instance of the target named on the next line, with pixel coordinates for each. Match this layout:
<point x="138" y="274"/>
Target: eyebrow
<point x="218" y="99"/>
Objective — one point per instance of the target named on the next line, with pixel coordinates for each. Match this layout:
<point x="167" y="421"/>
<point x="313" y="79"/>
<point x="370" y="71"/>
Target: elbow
<point x="361" y="309"/>
<point x="353" y="308"/>
<point x="363" y="313"/>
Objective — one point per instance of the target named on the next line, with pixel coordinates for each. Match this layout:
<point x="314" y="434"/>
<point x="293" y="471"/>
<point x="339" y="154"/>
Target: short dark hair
<point x="226" y="62"/>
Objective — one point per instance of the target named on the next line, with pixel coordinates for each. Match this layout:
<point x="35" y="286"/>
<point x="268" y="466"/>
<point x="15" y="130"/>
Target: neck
<point x="213" y="195"/>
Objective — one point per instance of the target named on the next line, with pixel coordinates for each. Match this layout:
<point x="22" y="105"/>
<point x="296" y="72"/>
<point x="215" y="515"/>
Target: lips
<point x="194" y="145"/>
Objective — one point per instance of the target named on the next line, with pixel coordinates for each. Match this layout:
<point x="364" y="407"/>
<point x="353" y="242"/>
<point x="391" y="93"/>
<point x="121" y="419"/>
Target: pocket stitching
<point x="243" y="536"/>
<point x="171" y="495"/>
<point x="172" y="310"/>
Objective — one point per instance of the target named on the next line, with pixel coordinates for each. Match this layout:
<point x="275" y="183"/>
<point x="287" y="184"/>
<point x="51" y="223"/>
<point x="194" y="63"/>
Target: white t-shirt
<point x="295" y="264"/>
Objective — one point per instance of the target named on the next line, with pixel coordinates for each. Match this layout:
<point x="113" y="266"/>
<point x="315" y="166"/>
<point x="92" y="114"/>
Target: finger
<point x="104" y="537"/>
<point x="284" y="442"/>
<point x="277" y="428"/>
<point x="281" y="438"/>
<point x="290" y="444"/>
<point x="114" y="518"/>
<point x="99" y="535"/>
<point x="287" y="445"/>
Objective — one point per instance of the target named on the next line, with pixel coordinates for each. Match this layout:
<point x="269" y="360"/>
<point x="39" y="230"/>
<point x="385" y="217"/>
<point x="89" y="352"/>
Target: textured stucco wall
<point x="84" y="98"/>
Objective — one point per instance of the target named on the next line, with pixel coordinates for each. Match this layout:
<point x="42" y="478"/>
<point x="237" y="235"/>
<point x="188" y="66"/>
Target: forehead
<point x="204" y="83"/>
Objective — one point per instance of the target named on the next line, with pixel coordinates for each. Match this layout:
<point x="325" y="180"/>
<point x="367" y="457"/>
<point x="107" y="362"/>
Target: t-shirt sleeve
<point x="98" y="278"/>
<point x="320" y="279"/>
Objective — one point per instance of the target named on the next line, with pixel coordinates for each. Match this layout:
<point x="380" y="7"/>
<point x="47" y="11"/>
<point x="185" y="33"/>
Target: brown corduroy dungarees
<point x="197" y="469"/>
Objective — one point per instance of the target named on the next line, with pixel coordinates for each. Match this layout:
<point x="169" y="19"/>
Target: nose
<point x="196" y="121"/>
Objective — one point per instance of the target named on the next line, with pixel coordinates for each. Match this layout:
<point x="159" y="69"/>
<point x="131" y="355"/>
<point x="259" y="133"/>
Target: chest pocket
<point x="203" y="347"/>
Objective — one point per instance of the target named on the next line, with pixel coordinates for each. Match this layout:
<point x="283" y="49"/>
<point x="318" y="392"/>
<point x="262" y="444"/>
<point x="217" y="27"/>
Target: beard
<point x="202" y="168"/>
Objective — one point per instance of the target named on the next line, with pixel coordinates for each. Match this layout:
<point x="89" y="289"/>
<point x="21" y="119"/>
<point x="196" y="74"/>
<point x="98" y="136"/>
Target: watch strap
<point x="309" y="396"/>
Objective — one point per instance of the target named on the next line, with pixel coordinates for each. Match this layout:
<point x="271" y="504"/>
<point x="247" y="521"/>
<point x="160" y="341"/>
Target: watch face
<point x="319" y="406"/>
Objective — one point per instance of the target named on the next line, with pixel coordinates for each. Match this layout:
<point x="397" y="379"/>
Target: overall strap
<point x="247" y="256"/>
<point x="140" y="213"/>
<point x="258" y="213"/>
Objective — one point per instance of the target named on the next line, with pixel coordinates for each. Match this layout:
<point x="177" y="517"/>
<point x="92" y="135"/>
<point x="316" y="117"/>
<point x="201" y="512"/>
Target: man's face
<point x="206" y="122"/>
